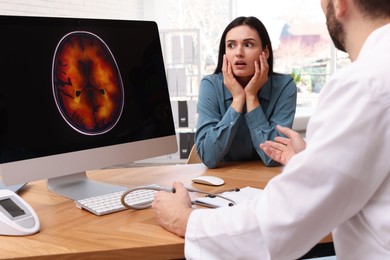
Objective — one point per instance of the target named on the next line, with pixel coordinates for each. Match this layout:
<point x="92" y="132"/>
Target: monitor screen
<point x="80" y="94"/>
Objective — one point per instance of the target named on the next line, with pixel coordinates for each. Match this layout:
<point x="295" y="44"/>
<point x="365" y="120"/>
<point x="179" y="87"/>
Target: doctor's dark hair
<point x="374" y="8"/>
<point x="255" y="24"/>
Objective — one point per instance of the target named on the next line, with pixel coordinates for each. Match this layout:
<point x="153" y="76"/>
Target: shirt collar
<point x="376" y="36"/>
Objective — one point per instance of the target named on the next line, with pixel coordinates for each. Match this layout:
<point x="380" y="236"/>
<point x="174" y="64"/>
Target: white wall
<point x="109" y="9"/>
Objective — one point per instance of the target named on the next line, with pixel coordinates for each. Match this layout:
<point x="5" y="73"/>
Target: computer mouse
<point x="208" y="180"/>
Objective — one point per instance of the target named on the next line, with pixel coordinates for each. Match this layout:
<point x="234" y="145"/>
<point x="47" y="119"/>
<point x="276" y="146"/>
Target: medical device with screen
<point x="77" y="95"/>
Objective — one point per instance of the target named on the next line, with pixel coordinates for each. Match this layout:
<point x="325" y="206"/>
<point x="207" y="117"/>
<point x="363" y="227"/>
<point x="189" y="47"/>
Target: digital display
<point x="11" y="207"/>
<point x="77" y="84"/>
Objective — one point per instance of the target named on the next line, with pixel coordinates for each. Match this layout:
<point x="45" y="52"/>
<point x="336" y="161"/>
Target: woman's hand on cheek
<point x="233" y="86"/>
<point x="229" y="79"/>
<point x="260" y="77"/>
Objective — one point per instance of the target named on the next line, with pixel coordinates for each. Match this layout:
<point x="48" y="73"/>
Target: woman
<point x="240" y="104"/>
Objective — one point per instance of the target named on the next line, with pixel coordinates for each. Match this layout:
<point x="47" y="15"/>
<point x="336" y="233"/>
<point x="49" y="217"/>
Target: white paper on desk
<point x="244" y="194"/>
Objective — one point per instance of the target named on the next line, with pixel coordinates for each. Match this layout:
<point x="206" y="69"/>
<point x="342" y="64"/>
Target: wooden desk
<point x="70" y="233"/>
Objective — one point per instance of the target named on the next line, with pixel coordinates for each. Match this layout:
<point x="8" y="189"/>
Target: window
<point x="297" y="28"/>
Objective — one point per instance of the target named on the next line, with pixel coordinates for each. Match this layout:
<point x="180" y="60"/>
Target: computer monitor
<point x="77" y="95"/>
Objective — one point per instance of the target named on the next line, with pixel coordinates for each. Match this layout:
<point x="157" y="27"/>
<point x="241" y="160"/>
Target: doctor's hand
<point x="283" y="149"/>
<point x="172" y="210"/>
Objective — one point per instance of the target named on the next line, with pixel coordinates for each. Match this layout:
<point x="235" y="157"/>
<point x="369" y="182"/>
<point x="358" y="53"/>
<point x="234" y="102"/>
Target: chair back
<point x="193" y="157"/>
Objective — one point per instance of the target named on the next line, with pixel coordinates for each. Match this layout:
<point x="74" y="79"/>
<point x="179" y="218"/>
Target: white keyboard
<point x="110" y="203"/>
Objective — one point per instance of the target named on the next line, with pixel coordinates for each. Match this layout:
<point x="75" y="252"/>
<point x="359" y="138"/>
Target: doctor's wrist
<point x="181" y="225"/>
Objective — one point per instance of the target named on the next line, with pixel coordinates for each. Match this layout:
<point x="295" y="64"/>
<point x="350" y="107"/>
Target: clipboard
<point x="238" y="196"/>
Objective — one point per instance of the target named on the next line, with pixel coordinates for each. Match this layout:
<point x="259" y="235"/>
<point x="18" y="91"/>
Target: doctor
<point x="340" y="182"/>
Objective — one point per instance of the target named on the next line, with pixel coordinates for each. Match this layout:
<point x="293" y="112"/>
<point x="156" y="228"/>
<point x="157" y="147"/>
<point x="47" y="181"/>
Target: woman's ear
<point x="266" y="52"/>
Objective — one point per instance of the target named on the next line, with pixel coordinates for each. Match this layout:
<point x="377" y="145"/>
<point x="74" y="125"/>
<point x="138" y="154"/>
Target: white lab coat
<point x="340" y="183"/>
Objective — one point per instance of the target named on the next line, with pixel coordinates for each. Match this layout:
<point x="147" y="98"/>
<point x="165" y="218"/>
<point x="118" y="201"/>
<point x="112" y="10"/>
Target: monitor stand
<point x="77" y="186"/>
<point x="14" y="188"/>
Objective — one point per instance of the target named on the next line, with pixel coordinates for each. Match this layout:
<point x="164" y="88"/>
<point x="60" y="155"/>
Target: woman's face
<point x="243" y="47"/>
